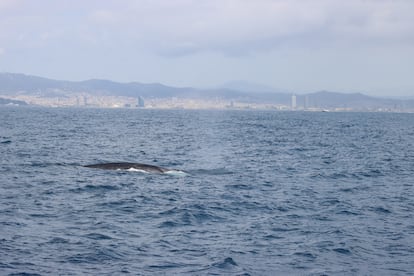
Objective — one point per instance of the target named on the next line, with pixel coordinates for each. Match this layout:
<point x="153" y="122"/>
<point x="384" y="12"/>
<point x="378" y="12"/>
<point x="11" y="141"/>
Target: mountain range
<point x="13" y="85"/>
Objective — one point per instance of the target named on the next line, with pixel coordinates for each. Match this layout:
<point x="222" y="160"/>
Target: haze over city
<point x="298" y="46"/>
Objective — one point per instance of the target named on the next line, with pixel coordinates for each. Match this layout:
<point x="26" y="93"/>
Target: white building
<point x="293" y="102"/>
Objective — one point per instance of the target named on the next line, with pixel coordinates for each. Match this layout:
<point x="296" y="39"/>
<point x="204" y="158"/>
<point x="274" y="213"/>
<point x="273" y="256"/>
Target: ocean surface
<point x="265" y="193"/>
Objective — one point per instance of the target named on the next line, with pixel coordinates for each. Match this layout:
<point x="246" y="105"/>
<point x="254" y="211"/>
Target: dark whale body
<point x="128" y="166"/>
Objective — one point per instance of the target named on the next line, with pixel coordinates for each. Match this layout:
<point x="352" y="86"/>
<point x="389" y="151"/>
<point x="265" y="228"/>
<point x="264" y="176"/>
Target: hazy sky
<point x="299" y="45"/>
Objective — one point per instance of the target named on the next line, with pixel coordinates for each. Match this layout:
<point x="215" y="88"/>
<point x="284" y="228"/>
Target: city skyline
<point x="295" y="46"/>
<point x="16" y="89"/>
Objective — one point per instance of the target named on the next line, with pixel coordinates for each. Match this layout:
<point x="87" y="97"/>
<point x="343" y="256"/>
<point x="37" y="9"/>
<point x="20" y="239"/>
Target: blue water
<point x="266" y="193"/>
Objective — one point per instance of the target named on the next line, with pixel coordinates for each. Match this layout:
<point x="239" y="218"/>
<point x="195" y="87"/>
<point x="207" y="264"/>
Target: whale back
<point x="128" y="166"/>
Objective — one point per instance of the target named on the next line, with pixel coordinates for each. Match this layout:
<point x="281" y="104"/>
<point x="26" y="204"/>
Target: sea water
<point x="264" y="193"/>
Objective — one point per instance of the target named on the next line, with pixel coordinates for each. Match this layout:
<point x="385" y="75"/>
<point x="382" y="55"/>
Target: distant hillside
<point x="246" y="86"/>
<point x="18" y="85"/>
<point x="328" y="100"/>
<point x="12" y="84"/>
<point x="15" y="83"/>
<point x="11" y="102"/>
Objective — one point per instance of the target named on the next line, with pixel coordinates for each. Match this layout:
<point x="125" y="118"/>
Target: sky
<point x="301" y="46"/>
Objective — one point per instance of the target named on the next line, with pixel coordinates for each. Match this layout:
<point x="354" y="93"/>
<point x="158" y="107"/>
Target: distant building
<point x="141" y="102"/>
<point x="306" y="105"/>
<point x="293" y="102"/>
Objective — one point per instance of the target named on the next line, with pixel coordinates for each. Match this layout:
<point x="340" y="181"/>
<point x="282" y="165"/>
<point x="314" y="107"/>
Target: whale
<point x="129" y="167"/>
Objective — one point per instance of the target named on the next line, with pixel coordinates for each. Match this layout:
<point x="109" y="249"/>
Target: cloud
<point x="104" y="17"/>
<point x="8" y="4"/>
<point x="188" y="26"/>
<point x="231" y="27"/>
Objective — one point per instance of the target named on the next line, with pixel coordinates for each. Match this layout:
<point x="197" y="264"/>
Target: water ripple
<point x="268" y="193"/>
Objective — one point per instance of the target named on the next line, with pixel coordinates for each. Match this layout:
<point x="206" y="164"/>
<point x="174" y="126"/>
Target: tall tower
<point x="293" y="102"/>
<point x="141" y="102"/>
<point x="306" y="106"/>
